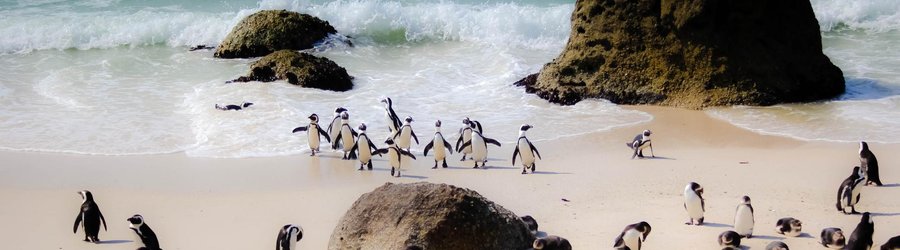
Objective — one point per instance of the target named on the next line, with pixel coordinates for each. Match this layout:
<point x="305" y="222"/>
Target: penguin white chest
<point x="693" y="204"/>
<point x="313" y="134"/>
<point x="405" y="135"/>
<point x="467" y="136"/>
<point x="632" y="239"/>
<point x="479" y="148"/>
<point x="743" y="221"/>
<point x="394" y="156"/>
<point x="335" y="128"/>
<point x="525" y="152"/>
<point x="365" y="151"/>
<point x="440" y="152"/>
<point x="346" y="138"/>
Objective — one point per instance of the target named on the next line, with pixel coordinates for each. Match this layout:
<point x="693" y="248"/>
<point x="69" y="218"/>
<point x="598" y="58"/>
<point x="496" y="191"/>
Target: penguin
<point x="314" y="132"/>
<point x="393" y="119"/>
<point x="530" y="223"/>
<point x="148" y="237"/>
<point x="395" y="154"/>
<point x="334" y="128"/>
<point x="346" y="136"/>
<point x="861" y="238"/>
<point x="743" y="218"/>
<point x="833" y="238"/>
<point x="730" y="240"/>
<point x="694" y="203"/>
<point x="403" y="136"/>
<point x="288" y="237"/>
<point x="789" y="227"/>
<point x="892" y="244"/>
<point x="234" y="107"/>
<point x="640" y="142"/>
<point x="479" y="145"/>
<point x="849" y="192"/>
<point x="552" y="242"/>
<point x="90" y="217"/>
<point x="869" y="165"/>
<point x="465" y="134"/>
<point x="777" y="245"/>
<point x="633" y="236"/>
<point x="525" y="150"/>
<point x="441" y="146"/>
<point x="363" y="148"/>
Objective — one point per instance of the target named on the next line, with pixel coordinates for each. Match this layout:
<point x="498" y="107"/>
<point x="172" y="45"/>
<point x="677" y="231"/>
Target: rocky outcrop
<point x="428" y="216"/>
<point x="270" y="30"/>
<point x="690" y="53"/>
<point x="300" y="69"/>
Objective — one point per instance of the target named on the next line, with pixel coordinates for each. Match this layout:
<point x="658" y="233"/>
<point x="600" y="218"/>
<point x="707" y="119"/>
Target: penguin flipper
<point x="447" y="145"/>
<point x="620" y="241"/>
<point x="353" y="132"/>
<point x="515" y="152"/>
<point x="322" y="134"/>
<point x="336" y="140"/>
<point x="413" y="134"/>
<point x="77" y="221"/>
<point x="464" y="145"/>
<point x="491" y="141"/>
<point x="458" y="141"/>
<point x="406" y="153"/>
<point x="428" y="147"/>
<point x="354" y="148"/>
<point x="299" y="129"/>
<point x="381" y="151"/>
<point x="102" y="219"/>
<point x="533" y="149"/>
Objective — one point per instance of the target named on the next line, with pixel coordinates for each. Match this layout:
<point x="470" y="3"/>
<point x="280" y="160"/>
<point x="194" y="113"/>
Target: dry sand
<point x="199" y="203"/>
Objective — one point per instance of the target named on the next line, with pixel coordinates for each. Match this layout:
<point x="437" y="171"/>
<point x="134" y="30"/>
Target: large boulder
<point x="690" y="53"/>
<point x="300" y="69"/>
<point x="270" y="30"/>
<point x="428" y="216"/>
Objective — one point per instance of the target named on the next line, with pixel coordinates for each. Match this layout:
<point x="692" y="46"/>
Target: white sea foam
<point x="873" y="15"/>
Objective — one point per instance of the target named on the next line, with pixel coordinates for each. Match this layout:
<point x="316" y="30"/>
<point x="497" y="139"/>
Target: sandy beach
<point x="207" y="203"/>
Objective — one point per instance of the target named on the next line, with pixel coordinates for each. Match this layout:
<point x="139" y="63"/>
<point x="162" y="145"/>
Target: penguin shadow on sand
<point x="765" y="237"/>
<point x="716" y="225"/>
<point x="377" y="169"/>
<point x="890" y="185"/>
<point x="103" y="242"/>
<point x="877" y="214"/>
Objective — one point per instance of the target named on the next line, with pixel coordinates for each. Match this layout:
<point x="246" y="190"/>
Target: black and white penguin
<point x="392" y="118"/>
<point x="777" y="245"/>
<point x="530" y="223"/>
<point x="861" y="238"/>
<point x="525" y="150"/>
<point x="403" y="137"/>
<point x="789" y="227"/>
<point x="363" y="148"/>
<point x="849" y="192"/>
<point x="233" y="106"/>
<point x="313" y="131"/>
<point x="729" y="240"/>
<point x="552" y="242"/>
<point x="395" y="154"/>
<point x="465" y="134"/>
<point x="288" y="237"/>
<point x="694" y="203"/>
<point x="441" y="146"/>
<point x="346" y="136"/>
<point x="633" y="236"/>
<point x="90" y="217"/>
<point x="833" y="238"/>
<point x="640" y="142"/>
<point x="892" y="244"/>
<point x="869" y="165"/>
<point x="479" y="145"/>
<point x="743" y="218"/>
<point x="143" y="231"/>
<point x="334" y="128"/>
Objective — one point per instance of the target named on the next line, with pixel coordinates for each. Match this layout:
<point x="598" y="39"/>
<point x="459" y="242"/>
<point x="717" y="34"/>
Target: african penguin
<point x="288" y="237"/>
<point x="694" y="203"/>
<point x="531" y="223"/>
<point x="729" y="240"/>
<point x="403" y="137"/>
<point x="861" y="238"/>
<point x="334" y="128"/>
<point x="234" y="107"/>
<point x="479" y="145"/>
<point x="743" y="218"/>
<point x="892" y="244"/>
<point x="833" y="238"/>
<point x="633" y="236"/>
<point x="346" y="136"/>
<point x="363" y="148"/>
<point x="314" y="132"/>
<point x="869" y="165"/>
<point x="465" y="134"/>
<point x="395" y="154"/>
<point x="441" y="146"/>
<point x="143" y="231"/>
<point x="777" y="245"/>
<point x="552" y="242"/>
<point x="789" y="227"/>
<point x="90" y="217"/>
<point x="849" y="192"/>
<point x="525" y="150"/>
<point x="640" y="142"/>
<point x="392" y="118"/>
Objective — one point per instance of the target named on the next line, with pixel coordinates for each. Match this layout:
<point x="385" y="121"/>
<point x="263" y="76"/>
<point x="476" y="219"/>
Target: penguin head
<point x="247" y="104"/>
<point x="745" y="200"/>
<point x="345" y="115"/>
<point x="437" y="123"/>
<point x="866" y="218"/>
<point x="863" y="146"/>
<point x="408" y="119"/>
<point x="86" y="195"/>
<point x="295" y="230"/>
<point x="386" y="101"/>
<point x="796" y="225"/>
<point x="466" y="121"/>
<point x="136" y="220"/>
<point x="389" y="142"/>
<point x="539" y="243"/>
<point x="339" y="110"/>
<point x="525" y="127"/>
<point x="644" y="228"/>
<point x="362" y="127"/>
<point x="647" y="132"/>
<point x="857" y="172"/>
<point x="696" y="187"/>
<point x="314" y="118"/>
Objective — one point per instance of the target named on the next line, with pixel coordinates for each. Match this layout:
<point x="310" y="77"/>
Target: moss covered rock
<point x="270" y="30"/>
<point x="299" y="69"/>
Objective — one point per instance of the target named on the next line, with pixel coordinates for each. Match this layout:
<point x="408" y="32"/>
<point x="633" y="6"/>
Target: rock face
<point x="690" y="53"/>
<point x="270" y="30"/>
<point x="299" y="69"/>
<point x="428" y="216"/>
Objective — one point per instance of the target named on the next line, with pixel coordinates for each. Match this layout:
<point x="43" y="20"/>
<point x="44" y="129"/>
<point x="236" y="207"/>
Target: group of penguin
<point x="355" y="144"/>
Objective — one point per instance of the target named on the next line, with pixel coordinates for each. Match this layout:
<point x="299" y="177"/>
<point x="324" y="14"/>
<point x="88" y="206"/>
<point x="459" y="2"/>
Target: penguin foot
<point x="435" y="167"/>
<point x="360" y="168"/>
<point x="523" y="171"/>
<point x="392" y="171"/>
<point x="691" y="222"/>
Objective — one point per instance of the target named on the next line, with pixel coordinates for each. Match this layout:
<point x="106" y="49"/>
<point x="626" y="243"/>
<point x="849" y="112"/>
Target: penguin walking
<point x="392" y="118"/>
<point x="313" y="131"/>
<point x="833" y="238"/>
<point x="363" y="148"/>
<point x="441" y="146"/>
<point x="777" y="245"/>
<point x="405" y="134"/>
<point x="90" y="217"/>
<point x="743" y="218"/>
<point x="234" y="107"/>
<point x="730" y="240"/>
<point x="789" y="226"/>
<point x="334" y="128"/>
<point x="346" y="136"/>
<point x="525" y="150"/>
<point x="395" y="154"/>
<point x="861" y="238"/>
<point x="552" y="242"/>
<point x="465" y="134"/>
<point x="640" y="142"/>
<point x="143" y="231"/>
<point x="633" y="236"/>
<point x="288" y="237"/>
<point x="892" y="244"/>
<point x="869" y="165"/>
<point x="694" y="203"/>
<point x="479" y="145"/>
<point x="849" y="192"/>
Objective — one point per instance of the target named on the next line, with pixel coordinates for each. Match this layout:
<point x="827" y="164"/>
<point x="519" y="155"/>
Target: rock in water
<point x="690" y="53"/>
<point x="270" y="30"/>
<point x="428" y="216"/>
<point x="299" y="69"/>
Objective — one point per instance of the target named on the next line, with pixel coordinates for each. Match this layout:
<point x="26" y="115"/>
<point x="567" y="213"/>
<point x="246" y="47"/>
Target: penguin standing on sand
<point x="789" y="227"/>
<point x="861" y="238"/>
<point x="833" y="238"/>
<point x="694" y="203"/>
<point x="849" y="192"/>
<point x="334" y="128"/>
<point x="392" y="118"/>
<point x="288" y="237"/>
<point x="441" y="146"/>
<point x="869" y="165"/>
<point x="743" y="218"/>
<point x="552" y="242"/>
<point x="777" y="245"/>
<point x="90" y="217"/>
<point x="465" y="134"/>
<point x="730" y="240"/>
<point x="143" y="231"/>
<point x="479" y="145"/>
<point x="525" y="150"/>
<point x="640" y="142"/>
<point x="346" y="137"/>
<point x="633" y="236"/>
<point x="313" y="131"/>
<point x="234" y="107"/>
<point x="364" y="148"/>
<point x="403" y="137"/>
<point x="395" y="154"/>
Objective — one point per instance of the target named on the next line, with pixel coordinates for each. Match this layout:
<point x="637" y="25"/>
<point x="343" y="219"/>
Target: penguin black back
<point x="861" y="238"/>
<point x="869" y="164"/>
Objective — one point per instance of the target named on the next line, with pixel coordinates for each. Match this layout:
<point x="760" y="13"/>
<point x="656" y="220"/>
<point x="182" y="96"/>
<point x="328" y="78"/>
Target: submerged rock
<point x="691" y="53"/>
<point x="299" y="69"/>
<point x="428" y="216"/>
<point x="270" y="30"/>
